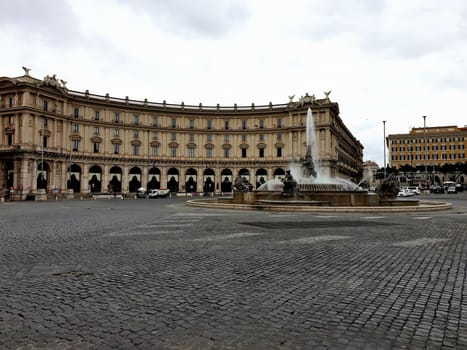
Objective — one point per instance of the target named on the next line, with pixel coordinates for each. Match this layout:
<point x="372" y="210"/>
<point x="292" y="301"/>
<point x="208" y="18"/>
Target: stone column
<point x="125" y="179"/>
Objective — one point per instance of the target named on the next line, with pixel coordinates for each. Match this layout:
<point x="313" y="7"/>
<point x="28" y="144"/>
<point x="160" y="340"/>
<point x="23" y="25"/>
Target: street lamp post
<point x="425" y="146"/>
<point x="384" y="148"/>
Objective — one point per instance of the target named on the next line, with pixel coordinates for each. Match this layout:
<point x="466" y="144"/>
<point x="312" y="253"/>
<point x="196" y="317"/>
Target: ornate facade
<point x="57" y="139"/>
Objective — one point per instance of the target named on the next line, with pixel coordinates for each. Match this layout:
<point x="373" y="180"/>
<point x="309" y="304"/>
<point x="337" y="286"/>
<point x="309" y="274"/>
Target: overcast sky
<point x="393" y="60"/>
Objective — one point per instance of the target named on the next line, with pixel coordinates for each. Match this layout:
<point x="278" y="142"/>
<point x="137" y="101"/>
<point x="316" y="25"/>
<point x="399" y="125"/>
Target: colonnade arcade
<point x="82" y="177"/>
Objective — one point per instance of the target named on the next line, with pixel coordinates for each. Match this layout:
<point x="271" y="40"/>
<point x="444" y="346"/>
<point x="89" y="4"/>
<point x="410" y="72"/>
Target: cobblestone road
<point x="156" y="274"/>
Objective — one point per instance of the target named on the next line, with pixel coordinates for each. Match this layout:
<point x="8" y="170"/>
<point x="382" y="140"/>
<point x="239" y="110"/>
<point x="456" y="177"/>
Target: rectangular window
<point x="244" y="138"/>
<point x="279" y="136"/>
<point x="243" y="152"/>
<point x="75" y="145"/>
<point x="243" y="124"/>
<point x="154" y="121"/>
<point x="135" y="150"/>
<point x="76" y="112"/>
<point x="209" y="138"/>
<point x="117" y="118"/>
<point x="11" y="119"/>
<point x="116" y="148"/>
<point x="191" y="137"/>
<point x="10" y="103"/>
<point x="135" y="134"/>
<point x="136" y="119"/>
<point x="435" y="156"/>
<point x="460" y="138"/>
<point x="226" y="124"/>
<point x="279" y="123"/>
<point x="261" y="124"/>
<point x="452" y="146"/>
<point x="444" y="156"/>
<point x="97" y="115"/>
<point x="75" y="127"/>
<point x="10" y="139"/>
<point x="44" y="122"/>
<point x="45" y="105"/>
<point x="154" y="151"/>
<point x="261" y="153"/>
<point x="261" y="137"/>
<point x="209" y="124"/>
<point x="96" y="147"/>
<point x="192" y="124"/>
<point x="174" y="122"/>
<point x="173" y="136"/>
<point x="96" y="130"/>
<point x="226" y="152"/>
<point x="209" y="152"/>
<point x="226" y="138"/>
<point x="279" y="151"/>
<point x="155" y="135"/>
<point x="191" y="152"/>
<point x="173" y="151"/>
<point x="461" y="156"/>
<point x="116" y="132"/>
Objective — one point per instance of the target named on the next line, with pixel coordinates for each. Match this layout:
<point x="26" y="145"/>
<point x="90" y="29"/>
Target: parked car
<point x="158" y="193"/>
<point x="414" y="190"/>
<point x="437" y="189"/>
<point x="404" y="193"/>
<point x="451" y="189"/>
<point x="141" y="194"/>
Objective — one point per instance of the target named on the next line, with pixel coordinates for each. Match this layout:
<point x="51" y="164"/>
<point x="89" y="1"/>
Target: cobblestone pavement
<point x="156" y="274"/>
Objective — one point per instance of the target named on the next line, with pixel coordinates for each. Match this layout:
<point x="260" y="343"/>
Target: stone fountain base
<point x="322" y="197"/>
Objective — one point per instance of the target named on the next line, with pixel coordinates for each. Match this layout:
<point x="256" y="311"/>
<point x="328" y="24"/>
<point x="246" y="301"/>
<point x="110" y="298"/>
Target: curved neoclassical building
<point x="56" y="139"/>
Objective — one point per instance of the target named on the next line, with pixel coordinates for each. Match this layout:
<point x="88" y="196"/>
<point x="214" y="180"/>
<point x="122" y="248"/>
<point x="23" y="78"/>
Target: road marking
<point x="420" y="242"/>
<point x="136" y="233"/>
<point x="316" y="239"/>
<point x="373" y="217"/>
<point x="422" y="217"/>
<point x="229" y="236"/>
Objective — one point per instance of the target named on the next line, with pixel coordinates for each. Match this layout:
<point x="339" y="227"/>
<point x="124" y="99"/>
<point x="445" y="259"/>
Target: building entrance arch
<point x="226" y="180"/>
<point x="95" y="182"/>
<point x="115" y="183"/>
<point x="209" y="180"/>
<point x="42" y="178"/>
<point x="74" y="178"/>
<point x="154" y="179"/>
<point x="172" y="183"/>
<point x="191" y="177"/>
<point x="135" y="179"/>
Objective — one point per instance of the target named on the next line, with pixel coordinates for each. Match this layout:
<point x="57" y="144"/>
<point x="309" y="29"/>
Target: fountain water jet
<point x="308" y="172"/>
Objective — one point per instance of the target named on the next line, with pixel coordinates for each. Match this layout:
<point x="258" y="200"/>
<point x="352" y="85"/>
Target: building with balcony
<point x="52" y="137"/>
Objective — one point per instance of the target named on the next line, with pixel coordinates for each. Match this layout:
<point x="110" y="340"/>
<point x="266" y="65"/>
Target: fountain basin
<point x="321" y="197"/>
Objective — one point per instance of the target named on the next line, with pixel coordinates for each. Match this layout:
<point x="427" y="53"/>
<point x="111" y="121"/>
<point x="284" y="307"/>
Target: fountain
<point x="306" y="186"/>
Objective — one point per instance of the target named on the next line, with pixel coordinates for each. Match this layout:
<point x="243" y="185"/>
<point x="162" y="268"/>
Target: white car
<point x="158" y="193"/>
<point x="404" y="193"/>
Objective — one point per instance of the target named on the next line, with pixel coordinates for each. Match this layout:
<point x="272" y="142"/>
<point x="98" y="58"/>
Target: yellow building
<point x="56" y="139"/>
<point x="431" y="146"/>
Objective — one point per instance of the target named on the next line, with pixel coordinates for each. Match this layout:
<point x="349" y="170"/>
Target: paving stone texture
<point x="157" y="274"/>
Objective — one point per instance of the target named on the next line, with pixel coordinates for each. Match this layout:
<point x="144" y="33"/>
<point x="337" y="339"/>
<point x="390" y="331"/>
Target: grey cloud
<point x="403" y="31"/>
<point x="203" y="17"/>
<point x="50" y="21"/>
